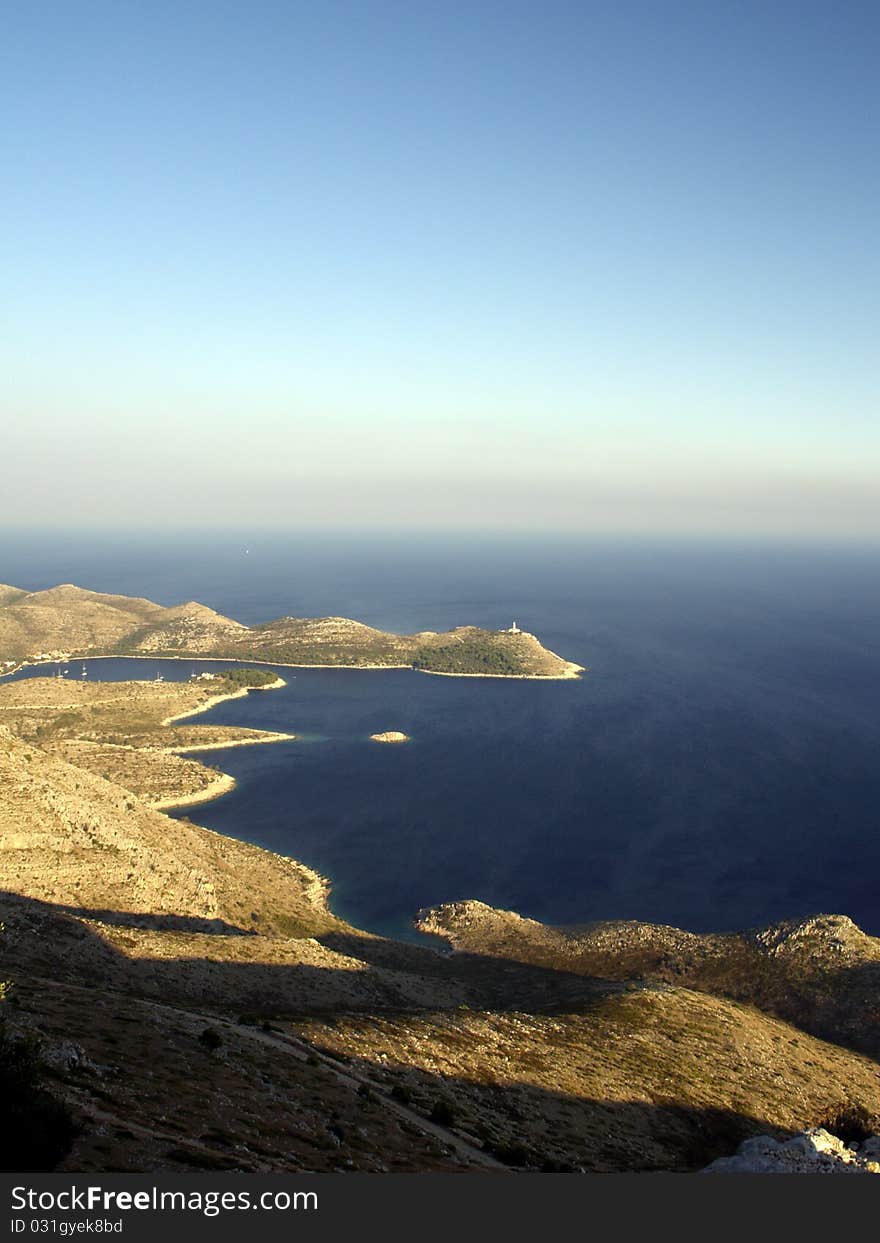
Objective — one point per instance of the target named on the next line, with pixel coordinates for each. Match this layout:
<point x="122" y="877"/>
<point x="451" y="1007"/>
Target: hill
<point x="68" y="621"/>
<point x="821" y="973"/>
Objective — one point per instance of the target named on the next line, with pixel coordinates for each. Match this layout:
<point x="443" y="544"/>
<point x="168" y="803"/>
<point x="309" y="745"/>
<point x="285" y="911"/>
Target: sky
<point x="557" y="266"/>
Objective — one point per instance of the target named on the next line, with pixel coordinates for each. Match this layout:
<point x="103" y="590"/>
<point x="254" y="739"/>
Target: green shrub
<point x="442" y="1112"/>
<point x="248" y="677"/>
<point x="513" y="1154"/>
<point x="37" y="1130"/>
<point x="475" y="654"/>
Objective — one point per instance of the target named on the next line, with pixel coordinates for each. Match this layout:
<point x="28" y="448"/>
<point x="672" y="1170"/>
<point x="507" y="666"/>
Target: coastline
<point x="268" y="736"/>
<point x="213" y="700"/>
<point x="570" y="673"/>
<point x="223" y="784"/>
<point x="572" y="670"/>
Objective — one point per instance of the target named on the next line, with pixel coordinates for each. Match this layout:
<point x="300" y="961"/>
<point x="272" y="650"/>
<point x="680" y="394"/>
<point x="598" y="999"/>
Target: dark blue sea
<point x="718" y="767"/>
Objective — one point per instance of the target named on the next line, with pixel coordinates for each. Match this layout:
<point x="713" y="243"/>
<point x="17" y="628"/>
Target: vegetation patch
<point x="38" y="1130"/>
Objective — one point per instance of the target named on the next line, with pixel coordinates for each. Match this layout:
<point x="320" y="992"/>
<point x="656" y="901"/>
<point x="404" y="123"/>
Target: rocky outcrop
<point x="821" y="973"/>
<point x="189" y="627"/>
<point x="813" y="1152"/>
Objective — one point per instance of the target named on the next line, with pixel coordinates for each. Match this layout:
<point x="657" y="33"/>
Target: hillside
<point x="821" y="973"/>
<point x="69" y="621"/>
<point x="648" y="1079"/>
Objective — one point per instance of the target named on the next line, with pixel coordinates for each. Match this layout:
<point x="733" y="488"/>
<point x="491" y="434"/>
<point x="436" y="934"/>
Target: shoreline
<point x="223" y="784"/>
<point x="571" y="672"/>
<point x="214" y="700"/>
<point x="270" y="736"/>
<point x="266" y="736"/>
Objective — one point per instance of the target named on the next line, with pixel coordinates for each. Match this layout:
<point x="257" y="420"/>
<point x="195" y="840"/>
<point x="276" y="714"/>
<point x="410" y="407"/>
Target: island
<point x="68" y="623"/>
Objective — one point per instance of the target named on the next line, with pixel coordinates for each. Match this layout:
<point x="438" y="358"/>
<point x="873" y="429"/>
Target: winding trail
<point x="290" y="1046"/>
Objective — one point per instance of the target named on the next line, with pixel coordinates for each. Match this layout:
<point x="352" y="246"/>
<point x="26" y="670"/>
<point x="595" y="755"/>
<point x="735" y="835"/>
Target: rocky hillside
<point x="644" y="1078"/>
<point x="822" y="973"/>
<point x="10" y="594"/>
<point x="71" y="839"/>
<point x="187" y="627"/>
<point x="70" y="621"/>
<point x="67" y="619"/>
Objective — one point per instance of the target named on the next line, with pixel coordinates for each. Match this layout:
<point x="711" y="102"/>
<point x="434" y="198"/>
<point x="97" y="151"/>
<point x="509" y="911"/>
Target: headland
<point x="68" y="623"/>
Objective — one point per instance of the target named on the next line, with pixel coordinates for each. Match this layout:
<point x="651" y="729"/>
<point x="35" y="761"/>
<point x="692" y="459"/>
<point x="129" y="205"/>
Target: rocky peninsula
<point x="69" y="622"/>
<point x="126" y="732"/>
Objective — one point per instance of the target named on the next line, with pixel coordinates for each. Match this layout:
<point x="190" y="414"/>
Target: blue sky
<point x="588" y="266"/>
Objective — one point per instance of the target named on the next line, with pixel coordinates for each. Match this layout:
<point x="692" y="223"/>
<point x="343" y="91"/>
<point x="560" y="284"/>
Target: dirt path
<point x="293" y="1046"/>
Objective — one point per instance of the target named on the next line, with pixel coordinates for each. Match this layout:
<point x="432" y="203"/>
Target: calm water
<point x="718" y="767"/>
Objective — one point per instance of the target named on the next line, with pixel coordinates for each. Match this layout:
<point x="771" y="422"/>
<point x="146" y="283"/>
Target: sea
<point x="717" y="767"/>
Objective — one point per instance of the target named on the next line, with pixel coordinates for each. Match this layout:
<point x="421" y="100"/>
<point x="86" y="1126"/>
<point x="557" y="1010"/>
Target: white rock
<point x="812" y="1152"/>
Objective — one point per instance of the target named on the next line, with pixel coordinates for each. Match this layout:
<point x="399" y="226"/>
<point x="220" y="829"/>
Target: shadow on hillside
<point x="221" y="964"/>
<point x="156" y="923"/>
<point x="534" y="1128"/>
<point x="523" y="1125"/>
<point x="840" y="1004"/>
<point x="501" y="982"/>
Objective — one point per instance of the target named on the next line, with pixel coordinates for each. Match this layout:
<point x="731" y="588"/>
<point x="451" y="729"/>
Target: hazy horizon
<point x="594" y="268"/>
<point x="242" y="534"/>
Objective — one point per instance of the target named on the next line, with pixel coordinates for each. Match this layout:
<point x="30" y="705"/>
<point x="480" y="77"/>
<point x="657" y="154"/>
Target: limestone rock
<point x="813" y="1152"/>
